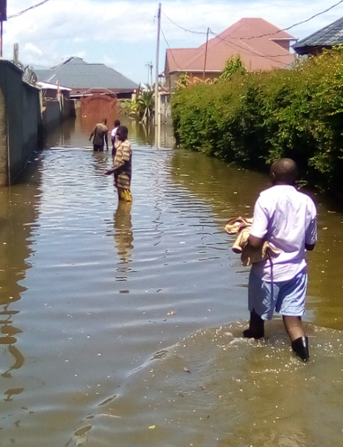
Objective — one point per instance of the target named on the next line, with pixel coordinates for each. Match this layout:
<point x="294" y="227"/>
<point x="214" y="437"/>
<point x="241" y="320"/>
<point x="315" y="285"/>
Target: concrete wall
<point x="20" y="121"/>
<point x="56" y="110"/>
<point x="51" y="114"/>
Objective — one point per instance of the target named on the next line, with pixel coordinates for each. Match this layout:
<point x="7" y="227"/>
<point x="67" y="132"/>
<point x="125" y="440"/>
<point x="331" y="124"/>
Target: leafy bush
<point x="255" y="118"/>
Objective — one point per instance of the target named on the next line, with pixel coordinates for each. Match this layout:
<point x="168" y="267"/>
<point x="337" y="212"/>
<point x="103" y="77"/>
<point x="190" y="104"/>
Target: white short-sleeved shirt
<point x="113" y="132"/>
<point x="286" y="218"/>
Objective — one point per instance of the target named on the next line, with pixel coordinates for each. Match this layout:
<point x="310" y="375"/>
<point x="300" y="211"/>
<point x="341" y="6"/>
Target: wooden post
<point x="156" y="112"/>
<point x="205" y="55"/>
<point x="1" y="33"/>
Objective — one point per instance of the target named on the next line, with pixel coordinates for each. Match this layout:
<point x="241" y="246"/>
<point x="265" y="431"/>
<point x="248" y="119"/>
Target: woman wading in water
<point x="122" y="165"/>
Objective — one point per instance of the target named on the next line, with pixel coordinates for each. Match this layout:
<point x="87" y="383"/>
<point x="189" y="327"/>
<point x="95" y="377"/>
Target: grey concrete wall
<point x="56" y="110"/>
<point x="51" y="115"/>
<point x="20" y="121"/>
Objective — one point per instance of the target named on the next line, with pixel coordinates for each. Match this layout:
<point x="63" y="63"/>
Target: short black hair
<point x="117" y="123"/>
<point x="123" y="129"/>
<point x="284" y="171"/>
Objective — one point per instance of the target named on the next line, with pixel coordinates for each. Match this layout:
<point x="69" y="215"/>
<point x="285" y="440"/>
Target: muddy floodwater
<point x="121" y="324"/>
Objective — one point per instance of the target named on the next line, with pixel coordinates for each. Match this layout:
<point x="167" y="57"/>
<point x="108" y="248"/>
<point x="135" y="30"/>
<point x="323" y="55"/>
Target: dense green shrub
<point x="255" y="118"/>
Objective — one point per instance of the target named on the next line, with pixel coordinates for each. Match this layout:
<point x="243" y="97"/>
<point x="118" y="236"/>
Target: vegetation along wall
<point x="255" y="118"/>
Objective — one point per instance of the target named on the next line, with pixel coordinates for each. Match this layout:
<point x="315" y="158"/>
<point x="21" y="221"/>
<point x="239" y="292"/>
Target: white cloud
<point x="31" y="49"/>
<point x="122" y="34"/>
<point x="110" y="62"/>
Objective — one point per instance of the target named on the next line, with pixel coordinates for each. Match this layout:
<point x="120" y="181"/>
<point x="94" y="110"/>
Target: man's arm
<point x="311" y="232"/>
<point x="118" y="161"/>
<point x="106" y="141"/>
<point x="255" y="242"/>
<point x="94" y="130"/>
<point x="259" y="225"/>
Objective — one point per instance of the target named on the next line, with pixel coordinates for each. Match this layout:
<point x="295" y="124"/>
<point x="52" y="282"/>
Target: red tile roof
<point x="254" y="39"/>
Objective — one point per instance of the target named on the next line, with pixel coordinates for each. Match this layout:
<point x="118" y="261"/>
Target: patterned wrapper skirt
<point x="122" y="182"/>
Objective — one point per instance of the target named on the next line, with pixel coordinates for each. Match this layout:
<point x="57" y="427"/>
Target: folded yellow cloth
<point x="249" y="255"/>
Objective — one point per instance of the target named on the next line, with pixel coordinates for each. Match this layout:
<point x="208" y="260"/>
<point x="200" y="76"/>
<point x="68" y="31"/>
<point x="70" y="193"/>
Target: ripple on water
<point x="216" y="388"/>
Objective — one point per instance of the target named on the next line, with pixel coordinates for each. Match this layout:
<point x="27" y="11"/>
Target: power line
<point x="162" y="32"/>
<point x="184" y="29"/>
<point x="289" y="27"/>
<point x="250" y="50"/>
<point x="28" y="9"/>
<point x="261" y="35"/>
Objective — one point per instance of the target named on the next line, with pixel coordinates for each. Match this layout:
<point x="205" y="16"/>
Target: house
<point x="56" y="104"/>
<point x="327" y="37"/>
<point x="95" y="88"/>
<point x="51" y="91"/>
<point x="260" y="45"/>
<point x="81" y="77"/>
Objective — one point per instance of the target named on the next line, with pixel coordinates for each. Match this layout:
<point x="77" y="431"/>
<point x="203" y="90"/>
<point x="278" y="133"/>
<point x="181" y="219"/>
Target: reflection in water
<point x="123" y="235"/>
<point x="233" y="192"/>
<point x="215" y="388"/>
<point x="89" y="349"/>
<point x="18" y="214"/>
<point x="11" y="392"/>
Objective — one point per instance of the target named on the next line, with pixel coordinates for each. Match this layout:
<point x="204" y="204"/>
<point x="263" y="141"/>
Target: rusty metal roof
<point x="261" y="46"/>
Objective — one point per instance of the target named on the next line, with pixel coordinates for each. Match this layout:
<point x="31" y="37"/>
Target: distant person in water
<point x="114" y="137"/>
<point x="122" y="165"/>
<point x="286" y="218"/>
<point x="100" y="134"/>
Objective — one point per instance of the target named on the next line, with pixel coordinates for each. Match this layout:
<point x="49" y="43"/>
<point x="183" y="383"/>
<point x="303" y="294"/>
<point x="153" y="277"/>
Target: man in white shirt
<point x="286" y="218"/>
<point x="114" y="137"/>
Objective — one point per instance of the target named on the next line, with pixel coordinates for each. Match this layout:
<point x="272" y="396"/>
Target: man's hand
<point x="255" y="242"/>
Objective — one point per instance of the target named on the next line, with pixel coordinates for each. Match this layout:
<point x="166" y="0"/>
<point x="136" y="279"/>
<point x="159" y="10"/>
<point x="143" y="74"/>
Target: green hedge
<point x="256" y="118"/>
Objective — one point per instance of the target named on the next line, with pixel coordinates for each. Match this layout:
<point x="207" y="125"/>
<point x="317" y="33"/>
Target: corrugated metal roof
<point x="254" y="39"/>
<point x="326" y="37"/>
<point x="78" y="74"/>
<point x="48" y="85"/>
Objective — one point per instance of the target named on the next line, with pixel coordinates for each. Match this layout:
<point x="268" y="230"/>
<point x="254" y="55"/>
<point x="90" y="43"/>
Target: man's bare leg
<point x="293" y="326"/>
<point x="256" y="328"/>
<point x="299" y="341"/>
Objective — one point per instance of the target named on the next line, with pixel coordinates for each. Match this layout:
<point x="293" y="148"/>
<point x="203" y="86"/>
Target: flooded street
<point x="121" y="325"/>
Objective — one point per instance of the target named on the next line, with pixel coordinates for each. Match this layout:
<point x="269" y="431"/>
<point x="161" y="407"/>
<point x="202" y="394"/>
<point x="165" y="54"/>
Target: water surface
<point x="121" y="324"/>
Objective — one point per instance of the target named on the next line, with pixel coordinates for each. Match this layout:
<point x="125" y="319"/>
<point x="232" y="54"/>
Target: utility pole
<point x="205" y="54"/>
<point x="157" y="111"/>
<point x="3" y="17"/>
<point x="150" y="67"/>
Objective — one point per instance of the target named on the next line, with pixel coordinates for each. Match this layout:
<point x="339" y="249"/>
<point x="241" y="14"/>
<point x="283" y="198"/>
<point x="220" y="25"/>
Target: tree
<point x="141" y="107"/>
<point x="233" y="66"/>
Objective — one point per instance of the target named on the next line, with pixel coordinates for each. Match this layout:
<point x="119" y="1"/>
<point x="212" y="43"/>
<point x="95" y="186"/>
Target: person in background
<point x="100" y="134"/>
<point x="122" y="165"/>
<point x="286" y="218"/>
<point x="117" y="123"/>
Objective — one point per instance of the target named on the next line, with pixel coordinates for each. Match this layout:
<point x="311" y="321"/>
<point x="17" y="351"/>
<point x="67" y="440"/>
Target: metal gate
<point x="96" y="105"/>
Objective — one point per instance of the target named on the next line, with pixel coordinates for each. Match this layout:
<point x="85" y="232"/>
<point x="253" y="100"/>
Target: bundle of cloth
<point x="241" y="227"/>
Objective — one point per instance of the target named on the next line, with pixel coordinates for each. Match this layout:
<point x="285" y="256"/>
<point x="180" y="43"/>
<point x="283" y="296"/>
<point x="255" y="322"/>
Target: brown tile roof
<point x="254" y="39"/>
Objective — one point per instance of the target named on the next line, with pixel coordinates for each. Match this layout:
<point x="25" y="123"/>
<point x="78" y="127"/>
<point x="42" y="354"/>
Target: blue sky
<point x="123" y="34"/>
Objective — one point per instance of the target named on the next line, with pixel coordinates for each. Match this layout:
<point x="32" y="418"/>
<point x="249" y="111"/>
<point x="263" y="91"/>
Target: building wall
<point x="51" y="114"/>
<point x="284" y="43"/>
<point x="20" y="120"/>
<point x="32" y="120"/>
<point x="56" y="110"/>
